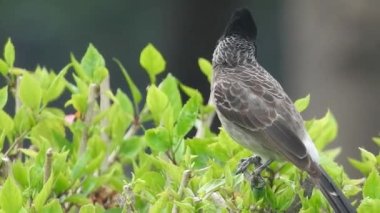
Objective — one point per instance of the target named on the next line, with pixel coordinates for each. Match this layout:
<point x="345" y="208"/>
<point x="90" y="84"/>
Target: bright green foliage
<point x="87" y="157"/>
<point x="206" y="68"/>
<point x="30" y="91"/>
<point x="152" y="61"/>
<point x="3" y="96"/>
<point x="303" y="103"/>
<point x="11" y="196"/>
<point x="9" y="53"/>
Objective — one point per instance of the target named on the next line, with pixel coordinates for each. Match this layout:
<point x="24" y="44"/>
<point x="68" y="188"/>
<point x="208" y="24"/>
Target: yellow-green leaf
<point x="3" y="96"/>
<point x="91" y="61"/>
<point x="89" y="208"/>
<point x="205" y="67"/>
<point x="136" y="94"/>
<point x="9" y="53"/>
<point x="10" y="196"/>
<point x="4" y="69"/>
<point x="369" y="205"/>
<point x="152" y="61"/>
<point x="158" y="139"/>
<point x="30" y="91"/>
<point x="302" y="103"/>
<point x="371" y="186"/>
<point x="43" y="195"/>
<point x="6" y="122"/>
<point x="159" y="105"/>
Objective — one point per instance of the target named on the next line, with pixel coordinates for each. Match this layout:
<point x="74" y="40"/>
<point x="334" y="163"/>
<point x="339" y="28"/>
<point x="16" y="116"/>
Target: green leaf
<point x="56" y="87"/>
<point x="152" y="61"/>
<point x="10" y="196"/>
<point x="170" y="87"/>
<point x="371" y="186"/>
<point x="52" y="206"/>
<point x="89" y="208"/>
<point x="9" y="53"/>
<point x="136" y="94"/>
<point x="30" y="91"/>
<point x="4" y="69"/>
<point x="131" y="147"/>
<point x="3" y="96"/>
<point x="191" y="92"/>
<point x="186" y="118"/>
<point x="369" y="205"/>
<point x="158" y="139"/>
<point x="159" y="105"/>
<point x="376" y="140"/>
<point x="211" y="186"/>
<point x="91" y="61"/>
<point x="6" y="123"/>
<point x="100" y="74"/>
<point x="79" y="69"/>
<point x="368" y="161"/>
<point x="20" y="173"/>
<point x="205" y="67"/>
<point x="323" y="131"/>
<point x="78" y="199"/>
<point x="43" y="195"/>
<point x="302" y="104"/>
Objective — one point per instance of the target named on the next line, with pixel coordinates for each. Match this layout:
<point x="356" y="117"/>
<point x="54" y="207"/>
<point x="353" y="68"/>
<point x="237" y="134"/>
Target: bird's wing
<point x="257" y="103"/>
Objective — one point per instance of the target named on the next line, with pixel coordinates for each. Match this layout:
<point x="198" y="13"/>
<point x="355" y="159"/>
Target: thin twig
<point x="91" y="104"/>
<point x="112" y="157"/>
<point x="20" y="143"/>
<point x="218" y="200"/>
<point x="17" y="141"/>
<point x="132" y="130"/>
<point x="184" y="182"/>
<point x="17" y="99"/>
<point x="48" y="164"/>
<point x="104" y="105"/>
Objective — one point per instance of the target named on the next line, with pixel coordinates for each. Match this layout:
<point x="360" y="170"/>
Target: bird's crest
<point x="241" y="24"/>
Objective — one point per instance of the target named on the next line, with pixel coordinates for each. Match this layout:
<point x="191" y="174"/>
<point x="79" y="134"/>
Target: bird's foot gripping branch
<point x="70" y="143"/>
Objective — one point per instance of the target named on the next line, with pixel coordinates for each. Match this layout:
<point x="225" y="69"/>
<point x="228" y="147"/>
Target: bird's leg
<point x="257" y="181"/>
<point x="246" y="162"/>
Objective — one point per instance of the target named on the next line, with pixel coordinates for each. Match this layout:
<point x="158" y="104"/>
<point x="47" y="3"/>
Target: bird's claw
<point x="257" y="181"/>
<point x="246" y="162"/>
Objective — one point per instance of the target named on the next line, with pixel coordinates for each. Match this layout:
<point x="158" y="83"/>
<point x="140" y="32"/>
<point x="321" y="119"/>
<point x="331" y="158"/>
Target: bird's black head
<point x="241" y="24"/>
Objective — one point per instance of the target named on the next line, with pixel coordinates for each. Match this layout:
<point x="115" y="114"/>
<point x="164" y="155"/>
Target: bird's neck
<point x="233" y="51"/>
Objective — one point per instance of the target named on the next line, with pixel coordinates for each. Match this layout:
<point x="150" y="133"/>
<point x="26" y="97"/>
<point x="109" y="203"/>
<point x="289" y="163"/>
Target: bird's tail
<point x="333" y="194"/>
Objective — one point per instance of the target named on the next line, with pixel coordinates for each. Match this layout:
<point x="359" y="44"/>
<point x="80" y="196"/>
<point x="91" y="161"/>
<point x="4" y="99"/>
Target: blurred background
<point x="330" y="49"/>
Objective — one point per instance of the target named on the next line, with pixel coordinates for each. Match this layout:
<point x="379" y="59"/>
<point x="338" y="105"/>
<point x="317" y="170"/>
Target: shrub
<point x="118" y="152"/>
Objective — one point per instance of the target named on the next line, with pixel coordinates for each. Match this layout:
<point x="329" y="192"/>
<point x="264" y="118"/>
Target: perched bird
<point x="257" y="113"/>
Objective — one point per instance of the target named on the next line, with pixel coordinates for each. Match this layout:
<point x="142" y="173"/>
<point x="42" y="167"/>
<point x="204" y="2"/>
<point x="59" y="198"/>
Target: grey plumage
<point x="254" y="109"/>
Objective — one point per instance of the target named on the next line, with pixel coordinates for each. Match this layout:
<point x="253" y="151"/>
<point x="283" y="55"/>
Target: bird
<point x="257" y="113"/>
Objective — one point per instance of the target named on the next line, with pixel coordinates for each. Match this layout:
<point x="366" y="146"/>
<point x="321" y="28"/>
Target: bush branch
<point x="48" y="164"/>
<point x="184" y="182"/>
<point x="91" y="104"/>
<point x="104" y="105"/>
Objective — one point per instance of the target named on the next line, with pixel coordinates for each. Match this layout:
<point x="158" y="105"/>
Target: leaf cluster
<point x="152" y="151"/>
